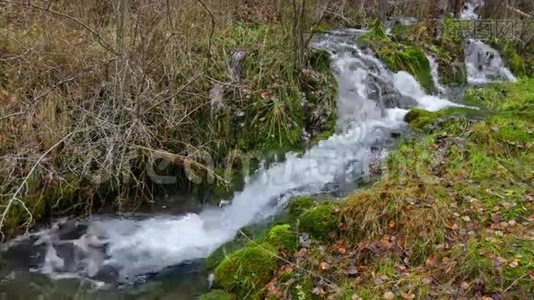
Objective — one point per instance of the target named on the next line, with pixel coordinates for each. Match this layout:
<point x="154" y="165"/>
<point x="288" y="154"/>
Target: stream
<point x="161" y="256"/>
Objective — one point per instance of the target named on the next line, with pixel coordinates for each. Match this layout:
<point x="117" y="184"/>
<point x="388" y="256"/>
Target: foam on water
<point x="372" y="102"/>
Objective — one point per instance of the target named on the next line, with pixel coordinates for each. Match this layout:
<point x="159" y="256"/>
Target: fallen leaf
<point x="514" y="264"/>
<point x="430" y="261"/>
<point x="427" y="280"/>
<point x="389" y="296"/>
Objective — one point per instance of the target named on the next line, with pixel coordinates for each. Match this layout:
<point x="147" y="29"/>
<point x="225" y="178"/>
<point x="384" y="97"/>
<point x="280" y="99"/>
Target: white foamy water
<point x="435" y="74"/>
<point x="408" y="86"/>
<point x="372" y="102"/>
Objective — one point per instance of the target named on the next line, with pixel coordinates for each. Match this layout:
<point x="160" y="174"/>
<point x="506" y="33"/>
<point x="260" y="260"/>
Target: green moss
<point x="517" y="97"/>
<point x="419" y="118"/>
<point x="320" y="221"/>
<point x="302" y="289"/>
<point x="218" y="295"/>
<point x="218" y="255"/>
<point x="56" y="198"/>
<point x="299" y="205"/>
<point x="247" y="270"/>
<point x="283" y="238"/>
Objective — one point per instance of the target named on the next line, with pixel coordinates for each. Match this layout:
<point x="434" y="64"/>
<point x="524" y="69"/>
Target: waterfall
<point x="371" y="104"/>
<point x="470" y="11"/>
<point x="484" y="64"/>
<point x="435" y="74"/>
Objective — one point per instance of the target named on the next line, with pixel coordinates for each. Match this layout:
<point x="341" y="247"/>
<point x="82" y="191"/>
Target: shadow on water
<point x="186" y="281"/>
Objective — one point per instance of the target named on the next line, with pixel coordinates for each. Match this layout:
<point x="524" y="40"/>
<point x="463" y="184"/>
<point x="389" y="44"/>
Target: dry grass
<point x="103" y="88"/>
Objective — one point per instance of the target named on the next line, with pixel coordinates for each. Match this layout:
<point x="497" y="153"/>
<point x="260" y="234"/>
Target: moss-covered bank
<point x="450" y="218"/>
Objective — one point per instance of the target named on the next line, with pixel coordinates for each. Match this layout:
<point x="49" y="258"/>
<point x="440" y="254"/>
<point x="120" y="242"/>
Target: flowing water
<point x="484" y="64"/>
<point x="470" y="11"/>
<point x="435" y="75"/>
<point x="111" y="256"/>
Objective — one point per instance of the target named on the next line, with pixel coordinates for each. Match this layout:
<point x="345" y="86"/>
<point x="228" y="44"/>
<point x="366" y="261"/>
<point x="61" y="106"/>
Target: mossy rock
<point x="320" y="221"/>
<point x="247" y="270"/>
<point x="419" y="118"/>
<point x="300" y="205"/>
<point x="218" y="295"/>
<point x="283" y="238"/>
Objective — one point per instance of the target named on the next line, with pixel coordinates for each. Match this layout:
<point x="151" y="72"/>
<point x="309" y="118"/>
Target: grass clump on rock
<point x="300" y="205"/>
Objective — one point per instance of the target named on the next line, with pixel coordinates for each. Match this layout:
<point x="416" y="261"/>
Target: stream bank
<point x="450" y="218"/>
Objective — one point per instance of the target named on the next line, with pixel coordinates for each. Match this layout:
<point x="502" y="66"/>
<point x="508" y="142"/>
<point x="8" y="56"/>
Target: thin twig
<point x="11" y="115"/>
<point x="174" y="94"/>
<point x="212" y="30"/>
<point x="515" y="282"/>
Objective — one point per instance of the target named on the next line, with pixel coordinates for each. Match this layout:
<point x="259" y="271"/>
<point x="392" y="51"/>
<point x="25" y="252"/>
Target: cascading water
<point x="484" y="64"/>
<point x="435" y="75"/>
<point x="372" y="102"/>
